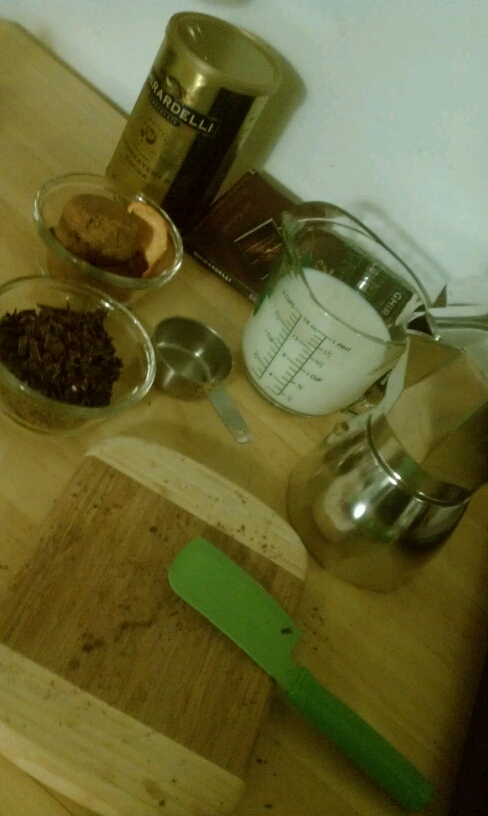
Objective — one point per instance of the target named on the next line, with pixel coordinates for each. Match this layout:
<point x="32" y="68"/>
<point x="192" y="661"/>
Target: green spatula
<point x="239" y="606"/>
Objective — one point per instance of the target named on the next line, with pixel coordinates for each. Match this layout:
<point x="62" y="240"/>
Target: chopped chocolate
<point x="64" y="354"/>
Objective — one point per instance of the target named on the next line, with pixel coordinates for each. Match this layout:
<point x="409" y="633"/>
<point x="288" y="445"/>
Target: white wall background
<point x="390" y="114"/>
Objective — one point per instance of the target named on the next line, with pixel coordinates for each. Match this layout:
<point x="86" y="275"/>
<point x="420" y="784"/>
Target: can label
<point x="207" y="160"/>
<point x="177" y="154"/>
<point x="174" y="111"/>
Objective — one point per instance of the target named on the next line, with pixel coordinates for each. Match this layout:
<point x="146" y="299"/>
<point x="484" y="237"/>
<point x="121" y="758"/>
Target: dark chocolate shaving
<point x="65" y="355"/>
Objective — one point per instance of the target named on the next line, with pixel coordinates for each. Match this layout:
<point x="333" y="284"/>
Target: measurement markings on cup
<point x="289" y="350"/>
<point x="277" y="342"/>
<point x="298" y="364"/>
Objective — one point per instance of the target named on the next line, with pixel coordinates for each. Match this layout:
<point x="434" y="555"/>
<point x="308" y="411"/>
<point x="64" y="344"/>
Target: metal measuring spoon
<point x="192" y="360"/>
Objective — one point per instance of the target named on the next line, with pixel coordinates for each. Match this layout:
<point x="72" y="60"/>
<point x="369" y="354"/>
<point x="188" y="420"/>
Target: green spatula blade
<point x="237" y="605"/>
<point x="241" y="608"/>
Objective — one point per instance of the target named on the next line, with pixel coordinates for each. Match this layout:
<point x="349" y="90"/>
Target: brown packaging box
<point x="239" y="236"/>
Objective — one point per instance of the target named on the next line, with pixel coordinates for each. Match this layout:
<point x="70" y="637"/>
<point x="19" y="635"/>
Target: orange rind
<point x="154" y="238"/>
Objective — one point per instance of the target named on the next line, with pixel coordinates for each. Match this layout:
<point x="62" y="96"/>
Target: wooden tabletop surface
<point x="409" y="661"/>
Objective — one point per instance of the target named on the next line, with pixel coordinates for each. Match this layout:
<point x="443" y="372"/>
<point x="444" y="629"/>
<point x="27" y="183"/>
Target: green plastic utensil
<point x="241" y="608"/>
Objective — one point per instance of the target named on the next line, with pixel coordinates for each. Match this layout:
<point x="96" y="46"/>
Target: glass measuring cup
<point x="332" y="317"/>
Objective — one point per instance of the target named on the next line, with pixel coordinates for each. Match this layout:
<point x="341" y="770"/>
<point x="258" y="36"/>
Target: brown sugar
<point x="99" y="230"/>
<point x="124" y="241"/>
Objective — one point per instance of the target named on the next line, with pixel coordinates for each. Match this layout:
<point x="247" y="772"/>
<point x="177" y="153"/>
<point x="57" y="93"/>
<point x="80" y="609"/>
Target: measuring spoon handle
<point x="229" y="414"/>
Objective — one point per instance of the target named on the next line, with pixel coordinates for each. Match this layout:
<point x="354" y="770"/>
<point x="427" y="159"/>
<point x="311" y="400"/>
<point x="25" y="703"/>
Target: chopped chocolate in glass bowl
<point x="64" y="354"/>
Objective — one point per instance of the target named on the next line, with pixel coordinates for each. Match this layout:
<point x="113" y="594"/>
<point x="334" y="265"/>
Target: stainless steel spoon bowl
<point x="192" y="361"/>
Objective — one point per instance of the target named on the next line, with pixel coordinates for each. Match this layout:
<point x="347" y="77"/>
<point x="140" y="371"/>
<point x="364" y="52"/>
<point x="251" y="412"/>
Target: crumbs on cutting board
<point x="155" y="791"/>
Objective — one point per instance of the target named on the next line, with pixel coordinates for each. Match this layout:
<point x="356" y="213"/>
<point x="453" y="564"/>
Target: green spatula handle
<point x="361" y="743"/>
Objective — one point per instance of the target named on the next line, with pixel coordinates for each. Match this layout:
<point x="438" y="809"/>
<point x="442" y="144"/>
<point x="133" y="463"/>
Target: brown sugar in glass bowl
<point x="129" y="351"/>
<point x="88" y="227"/>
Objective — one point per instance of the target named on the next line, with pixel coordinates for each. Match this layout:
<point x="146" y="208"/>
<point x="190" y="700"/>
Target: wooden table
<point x="408" y="661"/>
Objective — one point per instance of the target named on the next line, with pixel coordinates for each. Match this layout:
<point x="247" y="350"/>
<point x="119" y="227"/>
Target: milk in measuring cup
<point x="306" y="360"/>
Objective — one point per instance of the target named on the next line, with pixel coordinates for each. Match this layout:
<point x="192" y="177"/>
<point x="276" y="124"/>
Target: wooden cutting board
<point x="113" y="691"/>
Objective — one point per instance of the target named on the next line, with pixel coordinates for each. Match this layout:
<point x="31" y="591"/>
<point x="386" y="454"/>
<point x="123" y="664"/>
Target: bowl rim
<point x="83" y="411"/>
<point x="103" y="275"/>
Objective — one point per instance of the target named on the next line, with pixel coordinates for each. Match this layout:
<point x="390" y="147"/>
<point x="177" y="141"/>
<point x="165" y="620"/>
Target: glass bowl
<point x="132" y="345"/>
<point x="62" y="263"/>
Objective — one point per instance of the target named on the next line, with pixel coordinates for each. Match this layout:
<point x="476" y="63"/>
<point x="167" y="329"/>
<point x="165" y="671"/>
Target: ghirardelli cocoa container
<point x="205" y="90"/>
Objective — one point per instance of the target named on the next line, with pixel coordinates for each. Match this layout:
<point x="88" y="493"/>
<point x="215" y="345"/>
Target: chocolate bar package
<point x="239" y="237"/>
